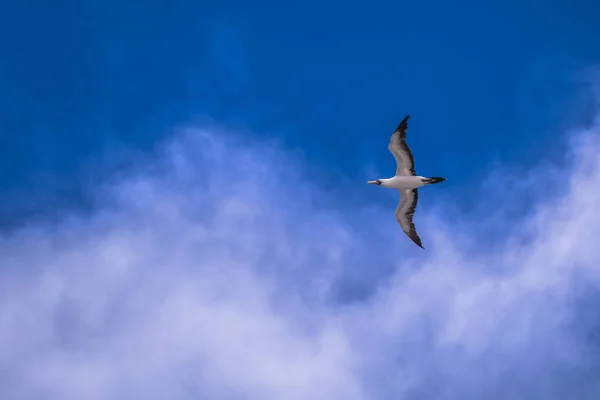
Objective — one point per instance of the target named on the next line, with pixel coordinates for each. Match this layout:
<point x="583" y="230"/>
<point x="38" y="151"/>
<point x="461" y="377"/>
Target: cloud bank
<point x="219" y="270"/>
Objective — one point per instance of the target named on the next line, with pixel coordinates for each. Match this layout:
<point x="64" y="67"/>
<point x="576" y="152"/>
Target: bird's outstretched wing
<point x="405" y="211"/>
<point x="405" y="163"/>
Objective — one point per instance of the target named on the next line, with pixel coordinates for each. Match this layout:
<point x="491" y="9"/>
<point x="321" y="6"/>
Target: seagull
<point x="406" y="181"/>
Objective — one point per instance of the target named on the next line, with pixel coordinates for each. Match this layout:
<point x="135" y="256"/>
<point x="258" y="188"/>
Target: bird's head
<point x="375" y="182"/>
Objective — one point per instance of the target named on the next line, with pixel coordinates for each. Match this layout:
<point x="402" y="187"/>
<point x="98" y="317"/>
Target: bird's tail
<point x="435" y="179"/>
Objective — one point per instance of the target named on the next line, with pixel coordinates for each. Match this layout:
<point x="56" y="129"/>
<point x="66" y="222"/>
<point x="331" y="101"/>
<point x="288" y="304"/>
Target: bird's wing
<point x="405" y="163"/>
<point x="405" y="211"/>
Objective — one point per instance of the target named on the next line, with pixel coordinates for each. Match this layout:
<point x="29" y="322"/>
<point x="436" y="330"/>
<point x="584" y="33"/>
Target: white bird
<point x="406" y="181"/>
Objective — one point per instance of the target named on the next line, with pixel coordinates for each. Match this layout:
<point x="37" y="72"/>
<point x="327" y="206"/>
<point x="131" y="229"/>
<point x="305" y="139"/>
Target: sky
<point x="184" y="209"/>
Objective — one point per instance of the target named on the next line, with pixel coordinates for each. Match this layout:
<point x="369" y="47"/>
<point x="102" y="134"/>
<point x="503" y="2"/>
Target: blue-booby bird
<point x="406" y="181"/>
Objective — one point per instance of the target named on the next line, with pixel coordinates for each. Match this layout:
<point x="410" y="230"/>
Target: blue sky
<point x="229" y="245"/>
<point x="85" y="77"/>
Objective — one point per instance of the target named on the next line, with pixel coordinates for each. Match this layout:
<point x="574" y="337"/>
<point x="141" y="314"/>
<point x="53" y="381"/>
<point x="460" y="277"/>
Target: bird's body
<point x="403" y="182"/>
<point x="406" y="181"/>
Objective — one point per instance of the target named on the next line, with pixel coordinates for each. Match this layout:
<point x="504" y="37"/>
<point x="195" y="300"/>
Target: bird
<point x="406" y="181"/>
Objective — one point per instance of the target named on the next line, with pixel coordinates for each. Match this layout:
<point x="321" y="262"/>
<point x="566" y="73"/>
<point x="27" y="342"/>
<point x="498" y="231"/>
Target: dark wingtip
<point x="416" y="240"/>
<point x="403" y="123"/>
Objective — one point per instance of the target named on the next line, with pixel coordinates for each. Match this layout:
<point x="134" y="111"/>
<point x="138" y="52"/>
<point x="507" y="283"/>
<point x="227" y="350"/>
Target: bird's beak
<point x="372" y="182"/>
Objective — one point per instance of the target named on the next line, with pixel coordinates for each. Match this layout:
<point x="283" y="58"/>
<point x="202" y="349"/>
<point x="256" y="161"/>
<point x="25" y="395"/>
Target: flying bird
<point x="406" y="181"/>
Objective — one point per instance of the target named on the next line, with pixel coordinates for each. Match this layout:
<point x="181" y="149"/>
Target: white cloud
<point x="230" y="276"/>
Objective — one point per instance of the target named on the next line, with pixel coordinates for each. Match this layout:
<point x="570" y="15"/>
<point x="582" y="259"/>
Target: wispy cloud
<point x="219" y="271"/>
